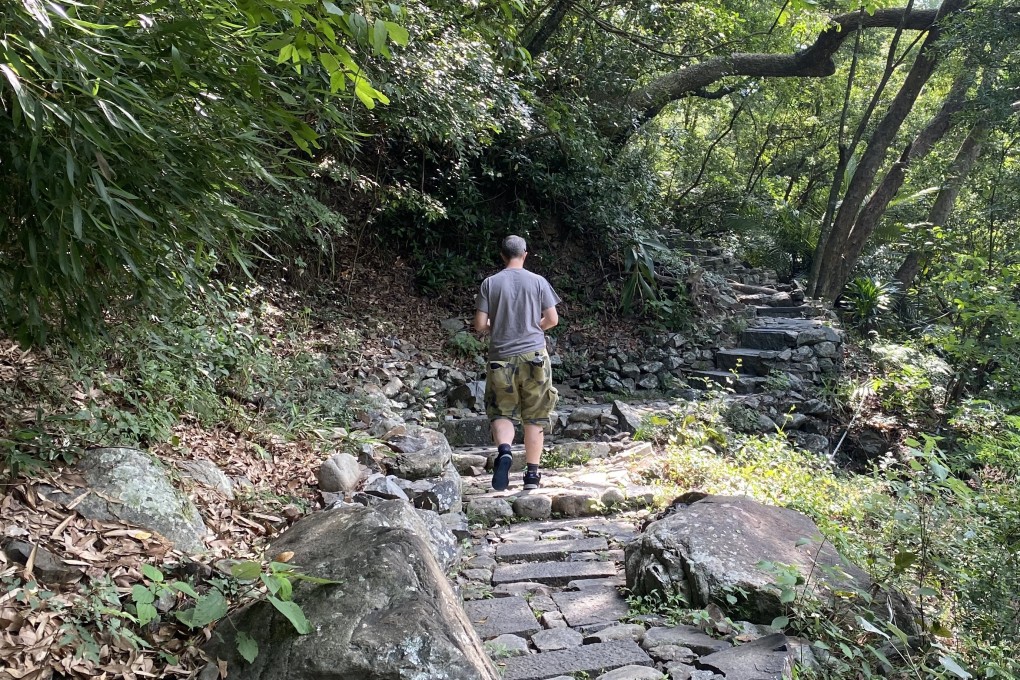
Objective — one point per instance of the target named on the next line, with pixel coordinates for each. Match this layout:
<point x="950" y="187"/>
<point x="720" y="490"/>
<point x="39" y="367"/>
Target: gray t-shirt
<point x="514" y="299"/>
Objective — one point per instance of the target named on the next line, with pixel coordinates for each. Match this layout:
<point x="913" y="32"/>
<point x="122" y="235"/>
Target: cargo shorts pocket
<point x="501" y="395"/>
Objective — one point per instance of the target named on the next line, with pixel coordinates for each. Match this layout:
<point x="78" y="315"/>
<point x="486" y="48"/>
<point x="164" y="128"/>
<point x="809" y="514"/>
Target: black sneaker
<point x="501" y="471"/>
<point x="532" y="480"/>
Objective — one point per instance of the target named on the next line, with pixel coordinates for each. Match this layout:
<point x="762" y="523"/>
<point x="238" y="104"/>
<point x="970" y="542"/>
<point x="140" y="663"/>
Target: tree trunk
<point x="835" y="267"/>
<point x="942" y="208"/>
<point x="922" y="144"/>
<point x="536" y="45"/>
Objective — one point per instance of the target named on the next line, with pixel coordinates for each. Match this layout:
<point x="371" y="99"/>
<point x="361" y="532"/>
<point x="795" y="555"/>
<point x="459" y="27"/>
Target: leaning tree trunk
<point x="942" y="208"/>
<point x="835" y="267"/>
<point x="922" y="144"/>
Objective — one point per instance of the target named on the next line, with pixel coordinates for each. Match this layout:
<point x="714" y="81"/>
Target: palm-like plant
<point x="867" y="299"/>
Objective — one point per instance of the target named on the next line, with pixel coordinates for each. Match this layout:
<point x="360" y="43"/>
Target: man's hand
<point x="481" y="322"/>
<point x="549" y="319"/>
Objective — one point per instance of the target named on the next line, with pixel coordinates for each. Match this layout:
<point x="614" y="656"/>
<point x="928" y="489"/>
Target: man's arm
<point x="549" y="319"/>
<point x="481" y="322"/>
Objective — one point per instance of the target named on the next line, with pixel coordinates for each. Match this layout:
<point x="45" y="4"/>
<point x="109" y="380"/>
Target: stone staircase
<point x="545" y="597"/>
<point x="787" y="337"/>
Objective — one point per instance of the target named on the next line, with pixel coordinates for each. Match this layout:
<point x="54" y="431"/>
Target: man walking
<point x="517" y="307"/>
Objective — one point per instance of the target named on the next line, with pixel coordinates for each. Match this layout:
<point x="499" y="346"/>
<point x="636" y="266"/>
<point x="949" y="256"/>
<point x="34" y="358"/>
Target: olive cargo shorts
<point x="520" y="388"/>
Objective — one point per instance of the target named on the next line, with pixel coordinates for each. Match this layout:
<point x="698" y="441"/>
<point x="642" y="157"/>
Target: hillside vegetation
<point x="212" y="214"/>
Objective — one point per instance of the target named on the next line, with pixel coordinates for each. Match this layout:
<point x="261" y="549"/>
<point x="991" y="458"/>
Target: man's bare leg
<point x="503" y="431"/>
<point x="534" y="438"/>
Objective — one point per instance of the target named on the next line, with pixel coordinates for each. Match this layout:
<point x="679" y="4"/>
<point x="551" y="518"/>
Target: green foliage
<point x="131" y="135"/>
<point x="208" y="360"/>
<point x="912" y="524"/>
<point x="978" y="334"/>
<point x="101" y="615"/>
<point x="910" y="383"/>
<point x="639" y="273"/>
<point x="558" y="457"/>
<point x="867" y="300"/>
<point x="463" y="344"/>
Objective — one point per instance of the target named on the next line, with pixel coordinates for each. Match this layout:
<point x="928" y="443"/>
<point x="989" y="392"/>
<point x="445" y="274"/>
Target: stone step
<point x="539" y="551"/>
<point x="769" y="338"/>
<point x="552" y="573"/>
<point x="589" y="659"/>
<point x="741" y="383"/>
<point x="502" y="616"/>
<point x="757" y="362"/>
<point x="799" y="312"/>
<point x="591" y="606"/>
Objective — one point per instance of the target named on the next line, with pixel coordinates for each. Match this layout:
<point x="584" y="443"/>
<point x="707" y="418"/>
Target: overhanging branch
<point x="815" y="61"/>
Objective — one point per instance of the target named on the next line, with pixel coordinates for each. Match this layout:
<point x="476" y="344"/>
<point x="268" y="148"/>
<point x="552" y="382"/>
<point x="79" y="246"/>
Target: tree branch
<point x="815" y="61"/>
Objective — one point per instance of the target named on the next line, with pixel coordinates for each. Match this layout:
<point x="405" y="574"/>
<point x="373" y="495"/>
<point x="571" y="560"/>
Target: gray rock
<point x="444" y="496"/>
<point x="826" y="350"/>
<point x="673" y="653"/>
<point x="386" y="487"/>
<point x="537" y="551"/>
<point x="466" y="463"/>
<point x="714" y="546"/>
<point x="614" y="385"/>
<point x="580" y="450"/>
<point x="585" y="414"/>
<point x="585" y="659"/>
<point x="207" y="474"/>
<point x="457" y="523"/>
<point x="649" y="382"/>
<point x="468" y="431"/>
<point x="683" y="636"/>
<point x="553" y="620"/>
<point x="654" y="367"/>
<point x="611" y="497"/>
<point x="766" y="658"/>
<point x="581" y="503"/>
<point x="816" y="443"/>
<point x="621" y="631"/>
<point x="632" y="673"/>
<point x="470" y="395"/>
<point x="489" y="511"/>
<point x="507" y="646"/>
<point x="445" y="546"/>
<point x="552" y="573"/>
<point x="130" y="486"/>
<point x="628" y="417"/>
<point x="430" y="387"/>
<point x="533" y="506"/>
<point x="484" y="575"/>
<point x="501" y="616"/>
<point x="678" y="670"/>
<point x="629" y="370"/>
<point x="794" y="421"/>
<point x="591" y="606"/>
<point x="340" y="473"/>
<point x="393" y="387"/>
<point x="391" y="612"/>
<point x="47" y="567"/>
<point x="579" y="430"/>
<point x="522" y="589"/>
<point x="418" y="461"/>
<point x="452" y="326"/>
<point x="554" y="639"/>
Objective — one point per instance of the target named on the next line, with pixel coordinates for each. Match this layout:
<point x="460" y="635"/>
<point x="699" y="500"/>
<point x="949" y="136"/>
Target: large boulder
<point x="392" y="613"/>
<point x="713" y="547"/>
<point x="419" y="456"/>
<point x="131" y="486"/>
